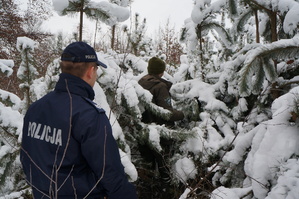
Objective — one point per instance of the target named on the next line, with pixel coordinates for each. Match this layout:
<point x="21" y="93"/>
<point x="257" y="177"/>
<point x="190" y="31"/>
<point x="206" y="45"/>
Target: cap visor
<point x="101" y="64"/>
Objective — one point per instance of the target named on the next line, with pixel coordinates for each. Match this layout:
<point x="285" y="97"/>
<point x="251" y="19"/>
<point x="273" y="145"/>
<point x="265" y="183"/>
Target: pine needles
<point x="261" y="64"/>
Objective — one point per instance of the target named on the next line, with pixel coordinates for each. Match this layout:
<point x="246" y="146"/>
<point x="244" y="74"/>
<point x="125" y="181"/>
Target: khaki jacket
<point x="159" y="88"/>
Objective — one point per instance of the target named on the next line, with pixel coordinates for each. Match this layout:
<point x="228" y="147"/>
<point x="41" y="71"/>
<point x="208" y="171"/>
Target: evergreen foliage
<point x="27" y="71"/>
<point x="10" y="104"/>
<point x="261" y="63"/>
<point x="138" y="42"/>
<point x="229" y="85"/>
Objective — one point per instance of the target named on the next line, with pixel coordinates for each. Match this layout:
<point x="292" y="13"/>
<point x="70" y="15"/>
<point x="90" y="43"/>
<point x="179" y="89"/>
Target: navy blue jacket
<point x="68" y="148"/>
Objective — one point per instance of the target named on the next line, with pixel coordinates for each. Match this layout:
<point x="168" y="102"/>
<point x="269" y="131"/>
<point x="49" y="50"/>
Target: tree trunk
<point x="81" y="22"/>
<point x="95" y="34"/>
<point x="257" y="30"/>
<point x="199" y="36"/>
<point x="113" y="36"/>
<point x="273" y="22"/>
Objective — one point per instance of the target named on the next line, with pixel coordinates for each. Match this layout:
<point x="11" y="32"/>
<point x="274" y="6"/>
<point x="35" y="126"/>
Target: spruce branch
<point x="259" y="78"/>
<point x="220" y="30"/>
<point x="156" y="110"/>
<point x="263" y="57"/>
<point x="233" y="8"/>
<point x="246" y="75"/>
<point x="270" y="70"/>
<point x="205" y="178"/>
<point x="94" y="13"/>
<point x="243" y="20"/>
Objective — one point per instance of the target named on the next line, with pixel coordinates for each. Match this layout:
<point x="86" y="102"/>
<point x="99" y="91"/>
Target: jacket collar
<point x="75" y="85"/>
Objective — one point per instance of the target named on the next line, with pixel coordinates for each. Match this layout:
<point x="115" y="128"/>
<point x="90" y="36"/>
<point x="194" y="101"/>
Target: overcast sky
<point x="156" y="13"/>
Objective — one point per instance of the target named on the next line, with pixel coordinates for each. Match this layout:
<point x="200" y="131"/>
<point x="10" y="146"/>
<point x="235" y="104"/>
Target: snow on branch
<point x="26" y="43"/>
<point x="107" y="12"/>
<point x="6" y="66"/>
<point x="291" y="21"/>
<point x="114" y="12"/>
<point x="145" y="97"/>
<point x="11" y="98"/>
<point x="221" y="32"/>
<point x="200" y="12"/>
<point x="11" y="118"/>
<point x="261" y="57"/>
<point x="202" y="91"/>
<point x="60" y="5"/>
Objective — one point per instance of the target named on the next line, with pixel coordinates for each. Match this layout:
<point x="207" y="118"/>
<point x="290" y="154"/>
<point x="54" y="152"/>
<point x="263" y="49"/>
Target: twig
<point x="66" y="178"/>
<point x="35" y="164"/>
<point x="264" y="186"/>
<point x="114" y="100"/>
<point x="73" y="185"/>
<point x="70" y="129"/>
<point x="214" y="167"/>
<point x="104" y="165"/>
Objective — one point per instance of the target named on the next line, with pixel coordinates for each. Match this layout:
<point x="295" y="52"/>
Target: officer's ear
<point x="91" y="69"/>
<point x="90" y="74"/>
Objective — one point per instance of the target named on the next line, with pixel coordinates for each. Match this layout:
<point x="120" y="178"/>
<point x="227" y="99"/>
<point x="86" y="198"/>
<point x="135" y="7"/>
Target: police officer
<point x="68" y="150"/>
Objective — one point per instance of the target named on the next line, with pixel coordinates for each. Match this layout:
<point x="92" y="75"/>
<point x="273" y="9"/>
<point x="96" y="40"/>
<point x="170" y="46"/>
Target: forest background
<point x="234" y="68"/>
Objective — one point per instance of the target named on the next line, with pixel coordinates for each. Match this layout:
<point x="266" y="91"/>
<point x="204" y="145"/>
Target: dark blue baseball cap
<point x="81" y="52"/>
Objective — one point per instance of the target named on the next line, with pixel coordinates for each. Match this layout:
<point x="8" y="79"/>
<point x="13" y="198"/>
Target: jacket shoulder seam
<point x="94" y="105"/>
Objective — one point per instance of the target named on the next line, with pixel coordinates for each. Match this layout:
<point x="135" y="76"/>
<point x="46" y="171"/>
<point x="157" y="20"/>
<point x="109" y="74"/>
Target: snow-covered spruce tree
<point x="271" y="155"/>
<point x="210" y="120"/>
<point x="27" y="71"/>
<point x="109" y="13"/>
<point x="256" y="79"/>
<point x="138" y="42"/>
<point x="241" y="109"/>
<point x="11" y="117"/>
<point x="210" y="45"/>
<point x="206" y="38"/>
<point x="10" y="129"/>
<point x="246" y="84"/>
